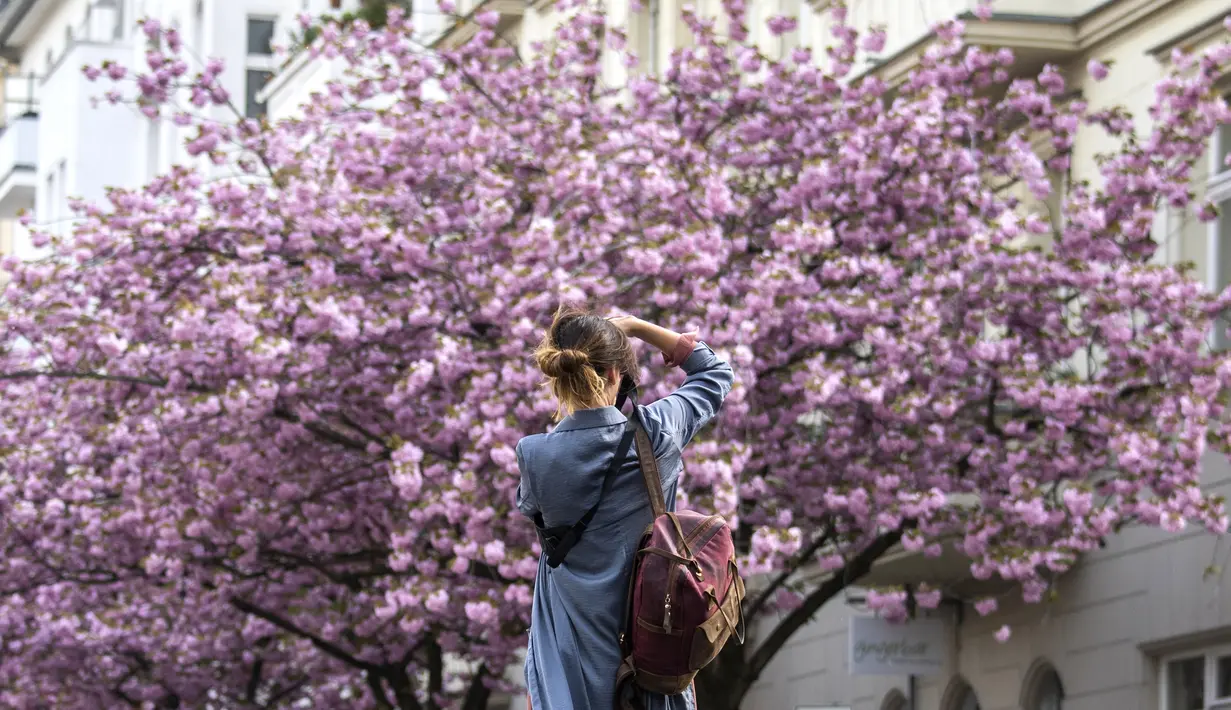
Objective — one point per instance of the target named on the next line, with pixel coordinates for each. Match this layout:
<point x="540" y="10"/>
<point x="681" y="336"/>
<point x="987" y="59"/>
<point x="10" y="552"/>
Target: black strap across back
<point x="557" y="541"/>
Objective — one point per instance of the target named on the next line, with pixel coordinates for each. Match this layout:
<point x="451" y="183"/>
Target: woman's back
<point x="578" y="609"/>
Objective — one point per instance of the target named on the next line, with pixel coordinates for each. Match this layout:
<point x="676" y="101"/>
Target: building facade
<point x="1143" y="624"/>
<point x="57" y="143"/>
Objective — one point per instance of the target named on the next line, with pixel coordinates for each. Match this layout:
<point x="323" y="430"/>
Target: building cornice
<point x="1033" y="35"/>
<point x="11" y="15"/>
<point x="1111" y="18"/>
<point x="1191" y="38"/>
<point x="1051" y="38"/>
<point x="465" y="28"/>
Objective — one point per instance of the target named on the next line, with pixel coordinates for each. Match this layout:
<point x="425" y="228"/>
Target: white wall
<point x="51" y="40"/>
<point x="299" y="75"/>
<point x="84" y="149"/>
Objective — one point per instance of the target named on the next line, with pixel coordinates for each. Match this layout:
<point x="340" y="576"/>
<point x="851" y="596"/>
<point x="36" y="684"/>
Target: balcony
<point x="509" y="26"/>
<point x="18" y="164"/>
<point x="1038" y="31"/>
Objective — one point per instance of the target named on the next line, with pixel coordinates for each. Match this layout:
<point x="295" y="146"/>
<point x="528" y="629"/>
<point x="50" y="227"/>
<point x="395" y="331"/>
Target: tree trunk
<point x="723" y="684"/>
<point x="720" y="685"/>
<point x="478" y="694"/>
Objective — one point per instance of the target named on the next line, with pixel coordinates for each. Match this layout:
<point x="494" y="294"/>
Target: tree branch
<point x="803" y="555"/>
<point x="70" y="375"/>
<point x="254" y="680"/>
<point x="378" y="693"/>
<point x="403" y="689"/>
<point x="853" y="572"/>
<point x="324" y="432"/>
<point x="286" y="625"/>
<point x="478" y="693"/>
<point x="435" y="673"/>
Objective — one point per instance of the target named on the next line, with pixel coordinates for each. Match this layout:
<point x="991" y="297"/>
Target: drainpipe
<point x="911" y="609"/>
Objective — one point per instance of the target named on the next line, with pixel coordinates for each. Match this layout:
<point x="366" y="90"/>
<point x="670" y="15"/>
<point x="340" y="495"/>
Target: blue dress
<point x="574" y="650"/>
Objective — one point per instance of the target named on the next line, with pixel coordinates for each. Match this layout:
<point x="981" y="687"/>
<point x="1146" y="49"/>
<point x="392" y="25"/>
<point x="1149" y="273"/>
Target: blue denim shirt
<point x="574" y="648"/>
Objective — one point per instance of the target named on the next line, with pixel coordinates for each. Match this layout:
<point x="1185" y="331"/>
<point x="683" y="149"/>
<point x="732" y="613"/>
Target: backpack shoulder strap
<point x="649" y="464"/>
<point x="573" y="535"/>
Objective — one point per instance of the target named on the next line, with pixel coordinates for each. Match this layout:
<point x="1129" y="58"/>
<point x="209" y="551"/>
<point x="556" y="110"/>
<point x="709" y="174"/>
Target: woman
<point x="574" y="651"/>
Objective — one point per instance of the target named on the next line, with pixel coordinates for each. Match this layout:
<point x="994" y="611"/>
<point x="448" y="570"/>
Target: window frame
<point x="1035" y="685"/>
<point x="273" y="31"/>
<point x="1209" y="655"/>
<point x="258" y="63"/>
<point x="894" y="700"/>
<point x="250" y="95"/>
<point x="1217" y="191"/>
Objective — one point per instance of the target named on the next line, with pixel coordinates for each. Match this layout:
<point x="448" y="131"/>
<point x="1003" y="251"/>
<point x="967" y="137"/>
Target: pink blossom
<point x="481" y="613"/>
<point x="780" y="25"/>
<point x="298" y="395"/>
<point x="874" y="41"/>
<point x="437" y="601"/>
<point x="493" y="552"/>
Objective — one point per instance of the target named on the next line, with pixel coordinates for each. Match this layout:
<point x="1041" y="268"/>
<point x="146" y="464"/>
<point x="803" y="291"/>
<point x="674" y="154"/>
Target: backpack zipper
<point x="673" y="574"/>
<point x="674" y="571"/>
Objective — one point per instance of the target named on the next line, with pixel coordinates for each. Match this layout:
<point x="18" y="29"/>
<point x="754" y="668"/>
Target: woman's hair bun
<point x="562" y="363"/>
<point x="579" y="353"/>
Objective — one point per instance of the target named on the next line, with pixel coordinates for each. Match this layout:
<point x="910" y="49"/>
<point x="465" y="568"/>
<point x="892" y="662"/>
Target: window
<point x="969" y="701"/>
<point x="52" y="212"/>
<point x="153" y="159"/>
<point x="894" y="701"/>
<point x="63" y="182"/>
<point x="260" y="37"/>
<point x="960" y="696"/>
<point x="1043" y="690"/>
<point x="259" y="65"/>
<point x="198" y="26"/>
<point x="254" y="108"/>
<point x="1218" y="191"/>
<point x="1197" y="681"/>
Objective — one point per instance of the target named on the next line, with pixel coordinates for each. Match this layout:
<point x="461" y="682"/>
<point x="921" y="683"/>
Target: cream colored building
<point x="1143" y="624"/>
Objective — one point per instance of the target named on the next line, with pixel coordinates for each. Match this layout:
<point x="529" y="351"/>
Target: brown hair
<point x="576" y="354"/>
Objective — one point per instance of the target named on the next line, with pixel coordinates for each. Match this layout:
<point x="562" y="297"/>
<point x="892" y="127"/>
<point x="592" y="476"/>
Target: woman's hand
<point x="631" y="325"/>
<point x="665" y="340"/>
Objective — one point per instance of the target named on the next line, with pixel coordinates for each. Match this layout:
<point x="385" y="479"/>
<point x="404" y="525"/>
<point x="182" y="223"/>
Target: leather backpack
<point x="685" y="595"/>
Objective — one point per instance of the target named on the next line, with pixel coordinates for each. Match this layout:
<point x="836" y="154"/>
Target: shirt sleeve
<point x="683" y="412"/>
<point x="526" y="502"/>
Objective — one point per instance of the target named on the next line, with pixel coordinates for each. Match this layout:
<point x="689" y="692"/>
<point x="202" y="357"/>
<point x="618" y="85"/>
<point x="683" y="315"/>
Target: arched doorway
<point x="894" y="700"/>
<point x="1042" y="689"/>
<point x="960" y="696"/>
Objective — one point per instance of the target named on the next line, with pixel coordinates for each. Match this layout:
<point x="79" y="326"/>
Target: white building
<point x="1141" y="625"/>
<point x="56" y="144"/>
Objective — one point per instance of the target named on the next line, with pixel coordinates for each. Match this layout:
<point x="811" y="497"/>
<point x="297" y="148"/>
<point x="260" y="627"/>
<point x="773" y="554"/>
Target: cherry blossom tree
<point x="257" y="433"/>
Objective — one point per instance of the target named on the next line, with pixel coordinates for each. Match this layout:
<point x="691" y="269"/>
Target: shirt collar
<point x="592" y="419"/>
